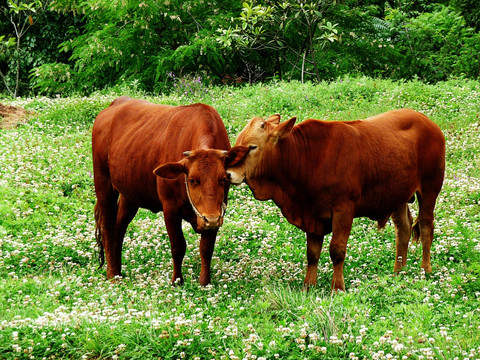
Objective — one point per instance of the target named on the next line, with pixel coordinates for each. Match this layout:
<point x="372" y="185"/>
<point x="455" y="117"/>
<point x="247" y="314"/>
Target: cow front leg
<point x="314" y="249"/>
<point x="341" y="226"/>
<point x="178" y="245"/>
<point x="207" y="244"/>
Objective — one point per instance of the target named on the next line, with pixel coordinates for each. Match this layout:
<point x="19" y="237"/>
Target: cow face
<point x="206" y="184"/>
<point x="251" y="145"/>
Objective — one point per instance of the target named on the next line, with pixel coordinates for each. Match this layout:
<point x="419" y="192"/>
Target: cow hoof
<point x="177" y="281"/>
<point x="115" y="279"/>
<point x="204" y="282"/>
<point x="427" y="268"/>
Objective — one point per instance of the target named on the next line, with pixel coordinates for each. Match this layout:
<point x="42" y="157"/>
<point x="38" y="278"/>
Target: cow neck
<point x="275" y="171"/>
<point x="224" y="206"/>
<point x="281" y="162"/>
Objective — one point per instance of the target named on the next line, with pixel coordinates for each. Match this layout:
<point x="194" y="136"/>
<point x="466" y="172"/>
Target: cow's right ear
<point x="235" y="155"/>
<point x="170" y="170"/>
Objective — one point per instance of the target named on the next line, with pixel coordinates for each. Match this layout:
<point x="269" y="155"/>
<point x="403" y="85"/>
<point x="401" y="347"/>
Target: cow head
<point x="252" y="142"/>
<point x="206" y="184"/>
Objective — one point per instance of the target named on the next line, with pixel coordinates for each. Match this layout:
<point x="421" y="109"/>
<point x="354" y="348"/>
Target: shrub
<point x="52" y="78"/>
<point x="435" y="45"/>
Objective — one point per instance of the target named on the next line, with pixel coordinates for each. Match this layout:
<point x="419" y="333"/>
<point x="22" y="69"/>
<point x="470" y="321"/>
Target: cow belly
<point x="138" y="192"/>
<point x="379" y="205"/>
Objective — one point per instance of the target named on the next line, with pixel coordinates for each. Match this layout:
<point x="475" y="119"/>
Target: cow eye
<point x="193" y="181"/>
<point x="262" y="125"/>
<point x="252" y="147"/>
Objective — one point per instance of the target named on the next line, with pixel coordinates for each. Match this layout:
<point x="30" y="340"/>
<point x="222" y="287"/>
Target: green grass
<point x="55" y="303"/>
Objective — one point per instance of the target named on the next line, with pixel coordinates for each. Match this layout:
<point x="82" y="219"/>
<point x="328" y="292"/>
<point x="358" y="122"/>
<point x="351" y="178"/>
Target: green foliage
<point x="436" y="45"/>
<point x="52" y="79"/>
<point x="290" y="35"/>
<point x="20" y="15"/>
<point x="97" y="44"/>
<point x="202" y="56"/>
<point x="37" y="32"/>
<point x="6" y="46"/>
<point x="144" y="41"/>
<point x="470" y="10"/>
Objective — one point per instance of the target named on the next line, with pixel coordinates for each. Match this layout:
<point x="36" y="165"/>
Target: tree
<point x="20" y="14"/>
<point x="287" y="32"/>
<point x="142" y="41"/>
<point x="6" y="46"/>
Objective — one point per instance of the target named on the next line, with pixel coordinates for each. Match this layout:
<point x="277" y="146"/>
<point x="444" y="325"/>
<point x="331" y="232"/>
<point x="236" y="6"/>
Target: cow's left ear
<point x="284" y="129"/>
<point x="170" y="170"/>
<point x="274" y="119"/>
<point x="236" y="154"/>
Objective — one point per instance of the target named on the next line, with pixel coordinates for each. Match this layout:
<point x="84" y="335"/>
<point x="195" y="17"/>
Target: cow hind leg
<point x="341" y="226"/>
<point x="403" y="230"/>
<point x="426" y="204"/>
<point x="126" y="211"/>
<point x="314" y="249"/>
<point x="105" y="217"/>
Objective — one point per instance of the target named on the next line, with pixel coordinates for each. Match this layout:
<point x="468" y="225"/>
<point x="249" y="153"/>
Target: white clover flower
<point x="398" y="347"/>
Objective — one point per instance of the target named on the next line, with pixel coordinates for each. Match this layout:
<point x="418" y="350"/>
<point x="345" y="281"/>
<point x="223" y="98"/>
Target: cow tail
<point x="382" y="222"/>
<point x="98" y="235"/>
<point x="415" y="225"/>
<point x="415" y="232"/>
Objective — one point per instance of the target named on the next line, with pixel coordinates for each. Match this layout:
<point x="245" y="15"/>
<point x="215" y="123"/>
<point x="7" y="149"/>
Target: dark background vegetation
<point x="60" y="47"/>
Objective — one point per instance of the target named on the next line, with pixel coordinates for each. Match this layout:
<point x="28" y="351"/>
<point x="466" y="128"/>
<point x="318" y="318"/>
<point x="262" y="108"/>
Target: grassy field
<point x="55" y="304"/>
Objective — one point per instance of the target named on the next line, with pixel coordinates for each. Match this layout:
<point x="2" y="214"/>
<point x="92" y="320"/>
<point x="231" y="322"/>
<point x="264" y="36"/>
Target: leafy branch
<point x="20" y="15"/>
<point x="295" y="30"/>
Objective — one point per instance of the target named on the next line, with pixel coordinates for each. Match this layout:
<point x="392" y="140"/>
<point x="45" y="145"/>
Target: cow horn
<point x="224" y="152"/>
<point x="187" y="153"/>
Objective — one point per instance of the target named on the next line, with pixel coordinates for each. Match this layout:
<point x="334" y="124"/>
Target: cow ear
<point x="284" y="129"/>
<point x="236" y="154"/>
<point x="274" y="119"/>
<point x="170" y="170"/>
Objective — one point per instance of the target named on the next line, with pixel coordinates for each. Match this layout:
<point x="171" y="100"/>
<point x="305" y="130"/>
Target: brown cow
<point x="324" y="174"/>
<point x="137" y="162"/>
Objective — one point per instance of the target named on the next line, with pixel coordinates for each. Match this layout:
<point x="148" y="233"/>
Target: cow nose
<point x="234" y="178"/>
<point x="213" y="222"/>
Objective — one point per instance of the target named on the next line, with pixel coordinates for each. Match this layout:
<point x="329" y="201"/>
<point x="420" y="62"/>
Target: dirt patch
<point x="12" y="116"/>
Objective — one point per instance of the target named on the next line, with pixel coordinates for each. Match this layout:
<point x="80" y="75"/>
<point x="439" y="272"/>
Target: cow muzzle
<point x="234" y="177"/>
<point x="210" y="222"/>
